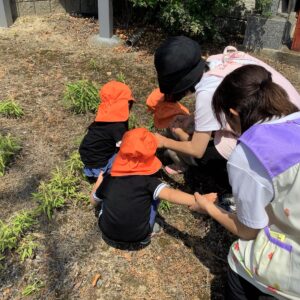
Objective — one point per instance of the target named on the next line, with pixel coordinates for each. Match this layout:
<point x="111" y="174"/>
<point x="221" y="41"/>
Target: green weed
<point x="8" y="147"/>
<point x="165" y="206"/>
<point x="121" y="77"/>
<point x="81" y="96"/>
<point x="74" y="163"/>
<point x="10" y="109"/>
<point x="34" y="287"/>
<point x="54" y="193"/>
<point x="27" y="247"/>
<point x="93" y="64"/>
<point x="11" y="232"/>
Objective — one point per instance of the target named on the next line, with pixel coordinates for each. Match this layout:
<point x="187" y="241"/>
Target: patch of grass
<point x="27" y="248"/>
<point x="53" y="194"/>
<point x="132" y="122"/>
<point x="74" y="163"/>
<point x="8" y="147"/>
<point x="121" y="77"/>
<point x="150" y="125"/>
<point x="165" y="206"/>
<point x="10" y="109"/>
<point x="81" y="97"/>
<point x="11" y="232"/>
<point x="33" y="287"/>
<point x="93" y="64"/>
<point x="62" y="186"/>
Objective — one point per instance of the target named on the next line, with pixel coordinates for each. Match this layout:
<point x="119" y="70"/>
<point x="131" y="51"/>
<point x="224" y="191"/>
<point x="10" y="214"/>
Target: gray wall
<point x="41" y="7"/>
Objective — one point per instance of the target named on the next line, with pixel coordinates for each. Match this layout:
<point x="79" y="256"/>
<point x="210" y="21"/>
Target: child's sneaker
<point x="227" y="202"/>
<point x="174" y="169"/>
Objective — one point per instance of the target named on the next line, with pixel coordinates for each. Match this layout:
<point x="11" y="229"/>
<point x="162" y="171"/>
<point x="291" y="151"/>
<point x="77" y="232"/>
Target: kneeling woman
<point x="130" y="195"/>
<point x="264" y="172"/>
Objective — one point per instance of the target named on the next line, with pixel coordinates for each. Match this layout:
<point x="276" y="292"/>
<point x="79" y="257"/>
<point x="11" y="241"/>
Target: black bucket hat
<point x="178" y="64"/>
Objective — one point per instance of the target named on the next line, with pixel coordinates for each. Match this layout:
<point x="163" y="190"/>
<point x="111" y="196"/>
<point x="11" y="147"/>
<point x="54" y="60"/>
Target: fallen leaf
<point x="95" y="280"/>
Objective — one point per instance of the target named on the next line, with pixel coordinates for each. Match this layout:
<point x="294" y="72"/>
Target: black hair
<point x="251" y="92"/>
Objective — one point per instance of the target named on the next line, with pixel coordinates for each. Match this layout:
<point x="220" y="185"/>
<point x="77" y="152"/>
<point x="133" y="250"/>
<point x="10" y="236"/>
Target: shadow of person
<point x="211" y="250"/>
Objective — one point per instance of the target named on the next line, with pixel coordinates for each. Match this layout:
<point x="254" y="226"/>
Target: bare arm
<point x="226" y="219"/>
<point x="196" y="147"/>
<point x="182" y="198"/>
<point x="95" y="187"/>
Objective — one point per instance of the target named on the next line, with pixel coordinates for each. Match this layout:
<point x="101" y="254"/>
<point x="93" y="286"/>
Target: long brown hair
<point x="251" y="92"/>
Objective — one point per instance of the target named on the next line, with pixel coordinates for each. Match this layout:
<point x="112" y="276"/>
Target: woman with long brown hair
<point x="264" y="172"/>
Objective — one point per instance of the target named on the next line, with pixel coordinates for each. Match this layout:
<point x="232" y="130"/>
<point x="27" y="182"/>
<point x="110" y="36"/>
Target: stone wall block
<point x="58" y="6"/>
<point x="264" y="32"/>
<point x="26" y="8"/>
<point x="42" y="7"/>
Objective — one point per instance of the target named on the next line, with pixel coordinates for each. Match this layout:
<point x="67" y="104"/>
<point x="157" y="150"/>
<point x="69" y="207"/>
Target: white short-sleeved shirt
<point x="252" y="187"/>
<point x="205" y="119"/>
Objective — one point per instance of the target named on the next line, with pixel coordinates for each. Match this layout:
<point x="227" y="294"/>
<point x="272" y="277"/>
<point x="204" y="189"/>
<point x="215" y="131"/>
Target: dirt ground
<point x="38" y="56"/>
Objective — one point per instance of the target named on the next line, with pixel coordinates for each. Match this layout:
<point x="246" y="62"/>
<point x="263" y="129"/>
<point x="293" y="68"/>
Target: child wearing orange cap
<point x="130" y="193"/>
<point x="101" y="142"/>
<point x="169" y="114"/>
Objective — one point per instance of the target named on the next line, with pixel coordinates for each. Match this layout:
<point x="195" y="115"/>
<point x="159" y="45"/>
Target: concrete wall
<point x="41" y="7"/>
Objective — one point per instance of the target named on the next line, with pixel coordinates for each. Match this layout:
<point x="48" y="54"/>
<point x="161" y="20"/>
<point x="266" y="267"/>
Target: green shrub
<point x="81" y="96"/>
<point x="10" y="109"/>
<point x="191" y="17"/>
<point x="8" y="147"/>
<point x="263" y="7"/>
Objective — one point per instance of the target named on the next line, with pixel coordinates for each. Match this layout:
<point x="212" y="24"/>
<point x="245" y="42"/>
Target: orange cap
<point x="137" y="154"/>
<point x="114" y="107"/>
<point x="166" y="111"/>
<point x="153" y="99"/>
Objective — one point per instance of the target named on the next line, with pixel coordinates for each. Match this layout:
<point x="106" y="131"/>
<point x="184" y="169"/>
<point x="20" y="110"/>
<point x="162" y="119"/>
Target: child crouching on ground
<point x="130" y="194"/>
<point x="169" y="115"/>
<point x="101" y="143"/>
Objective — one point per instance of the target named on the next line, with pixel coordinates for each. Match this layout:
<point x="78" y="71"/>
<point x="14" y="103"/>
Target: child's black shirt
<point x="126" y="206"/>
<point x="99" y="144"/>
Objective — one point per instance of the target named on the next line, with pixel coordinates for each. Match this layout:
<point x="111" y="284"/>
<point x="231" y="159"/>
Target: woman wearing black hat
<point x="180" y="70"/>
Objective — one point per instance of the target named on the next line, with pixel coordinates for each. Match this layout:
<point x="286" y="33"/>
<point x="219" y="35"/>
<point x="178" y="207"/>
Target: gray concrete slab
<point x="99" y="41"/>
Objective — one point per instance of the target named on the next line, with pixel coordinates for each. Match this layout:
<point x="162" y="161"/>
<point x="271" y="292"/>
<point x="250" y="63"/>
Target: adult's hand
<point x="160" y="140"/>
<point x="202" y="202"/>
